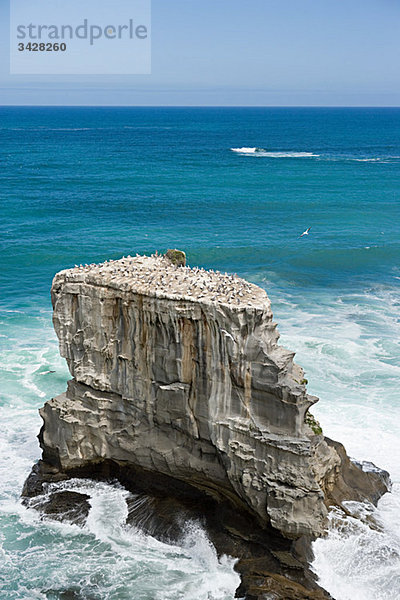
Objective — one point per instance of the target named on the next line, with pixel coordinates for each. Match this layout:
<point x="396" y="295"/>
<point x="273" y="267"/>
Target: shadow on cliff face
<point x="271" y="566"/>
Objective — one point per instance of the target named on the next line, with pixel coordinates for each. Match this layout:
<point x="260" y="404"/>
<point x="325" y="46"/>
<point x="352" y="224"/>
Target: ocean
<point x="234" y="188"/>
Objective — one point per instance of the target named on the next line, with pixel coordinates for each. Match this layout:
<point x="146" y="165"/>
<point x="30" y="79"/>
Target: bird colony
<point x="155" y="275"/>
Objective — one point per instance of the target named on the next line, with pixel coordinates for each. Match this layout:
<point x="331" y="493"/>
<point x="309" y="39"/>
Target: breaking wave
<point x="262" y="152"/>
<point x="347" y="344"/>
<point x="272" y="154"/>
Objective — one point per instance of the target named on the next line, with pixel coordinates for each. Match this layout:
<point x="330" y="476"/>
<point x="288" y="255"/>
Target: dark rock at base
<point x="60" y="505"/>
<point x="41" y="473"/>
<point x="270" y="586"/>
<point x="67" y="594"/>
<point x="66" y="506"/>
<point x="270" y="565"/>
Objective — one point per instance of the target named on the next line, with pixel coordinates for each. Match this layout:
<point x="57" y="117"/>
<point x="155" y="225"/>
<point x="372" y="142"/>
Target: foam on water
<point x="106" y="559"/>
<point x="348" y="344"/>
<point x="191" y="570"/>
<point x="104" y="188"/>
<point x="331" y="157"/>
<point x="349" y="347"/>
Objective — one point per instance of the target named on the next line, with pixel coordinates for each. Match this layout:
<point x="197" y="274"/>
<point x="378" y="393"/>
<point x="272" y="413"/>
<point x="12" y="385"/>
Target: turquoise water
<point x="82" y="185"/>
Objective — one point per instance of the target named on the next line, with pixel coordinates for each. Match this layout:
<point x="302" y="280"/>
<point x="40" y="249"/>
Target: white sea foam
<point x="387" y="158"/>
<point x="104" y="560"/>
<point x="367" y="159"/>
<point x="129" y="561"/>
<point x="358" y="560"/>
<point x="262" y="152"/>
<point x="349" y="347"/>
<point x="350" y="350"/>
<point x="360" y="159"/>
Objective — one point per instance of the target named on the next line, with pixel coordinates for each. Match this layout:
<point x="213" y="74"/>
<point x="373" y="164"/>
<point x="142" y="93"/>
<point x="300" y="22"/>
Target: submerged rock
<point x="178" y="377"/>
<point x="57" y="504"/>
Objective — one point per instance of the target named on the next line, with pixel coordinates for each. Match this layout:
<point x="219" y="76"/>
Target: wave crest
<point x="253" y="151"/>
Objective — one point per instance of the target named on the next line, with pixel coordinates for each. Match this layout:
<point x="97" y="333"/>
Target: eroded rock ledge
<point x="177" y="374"/>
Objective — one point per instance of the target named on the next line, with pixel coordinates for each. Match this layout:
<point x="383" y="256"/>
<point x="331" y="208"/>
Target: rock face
<point x="178" y="371"/>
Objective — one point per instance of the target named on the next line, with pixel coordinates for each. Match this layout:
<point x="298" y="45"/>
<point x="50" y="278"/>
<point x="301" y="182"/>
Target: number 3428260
<point x="36" y="47"/>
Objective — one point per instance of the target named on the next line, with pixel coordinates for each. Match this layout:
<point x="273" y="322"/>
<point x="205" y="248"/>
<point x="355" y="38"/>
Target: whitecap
<point x="247" y="150"/>
<point x="253" y="151"/>
<point x="367" y="159"/>
<point x="349" y="349"/>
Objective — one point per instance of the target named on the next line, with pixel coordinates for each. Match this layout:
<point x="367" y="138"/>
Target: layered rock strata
<point x="177" y="372"/>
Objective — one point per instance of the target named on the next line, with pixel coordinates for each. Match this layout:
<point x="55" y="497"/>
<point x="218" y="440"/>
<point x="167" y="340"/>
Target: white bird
<point x="306" y="232"/>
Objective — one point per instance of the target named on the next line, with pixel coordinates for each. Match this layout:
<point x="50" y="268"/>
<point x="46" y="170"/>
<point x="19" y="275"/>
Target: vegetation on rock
<point x="312" y="422"/>
<point x="177" y="257"/>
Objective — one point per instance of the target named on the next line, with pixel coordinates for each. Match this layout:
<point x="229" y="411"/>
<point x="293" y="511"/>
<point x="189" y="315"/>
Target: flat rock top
<point x="156" y="276"/>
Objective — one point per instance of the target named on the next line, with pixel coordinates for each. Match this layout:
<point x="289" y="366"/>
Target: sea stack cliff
<point x="178" y="374"/>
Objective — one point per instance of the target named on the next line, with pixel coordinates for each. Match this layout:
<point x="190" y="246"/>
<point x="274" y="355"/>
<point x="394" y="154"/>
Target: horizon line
<point x="332" y="106"/>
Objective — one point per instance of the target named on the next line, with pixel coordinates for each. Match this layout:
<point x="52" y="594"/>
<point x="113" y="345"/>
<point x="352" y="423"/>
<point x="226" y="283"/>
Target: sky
<point x="239" y="53"/>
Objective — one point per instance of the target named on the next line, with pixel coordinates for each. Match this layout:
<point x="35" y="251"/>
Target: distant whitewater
<point x="133" y="180"/>
<point x="327" y="156"/>
<point x="272" y="154"/>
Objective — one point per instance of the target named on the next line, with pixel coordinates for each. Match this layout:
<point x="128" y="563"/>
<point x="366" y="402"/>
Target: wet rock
<point x="168" y="510"/>
<point x="60" y="505"/>
<point x="360" y="481"/>
<point x="68" y="594"/>
<point x="41" y="474"/>
<point x="66" y="506"/>
<point x="270" y="586"/>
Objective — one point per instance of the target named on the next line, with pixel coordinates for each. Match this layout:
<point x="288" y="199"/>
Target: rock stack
<point x="178" y="380"/>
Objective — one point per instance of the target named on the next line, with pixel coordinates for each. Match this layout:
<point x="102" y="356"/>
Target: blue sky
<point x="232" y="52"/>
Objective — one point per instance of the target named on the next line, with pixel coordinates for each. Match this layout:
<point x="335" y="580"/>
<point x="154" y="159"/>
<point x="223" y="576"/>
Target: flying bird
<point x="306" y="232"/>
